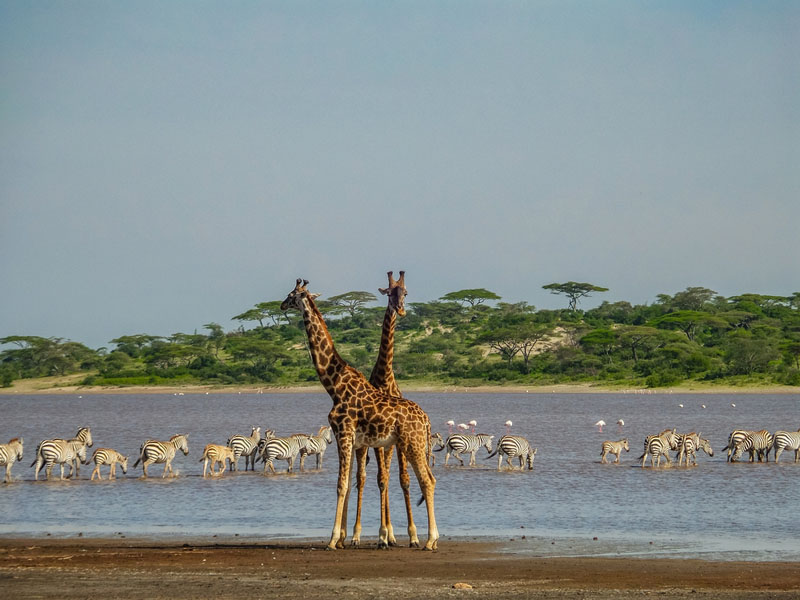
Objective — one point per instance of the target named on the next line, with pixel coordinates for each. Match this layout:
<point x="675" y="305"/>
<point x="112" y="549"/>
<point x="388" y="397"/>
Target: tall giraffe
<point x="363" y="416"/>
<point x="382" y="377"/>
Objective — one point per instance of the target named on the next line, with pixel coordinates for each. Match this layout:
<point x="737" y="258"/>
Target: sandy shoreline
<point x="113" y="568"/>
<point x="70" y="385"/>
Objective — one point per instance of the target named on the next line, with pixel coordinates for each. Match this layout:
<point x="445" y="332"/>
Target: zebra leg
<point x="168" y="467"/>
<point x="472" y="458"/>
<point x="96" y="472"/>
<point x="618" y="455"/>
<point x="778" y="452"/>
<point x="361" y="479"/>
<point x="8" y="473"/>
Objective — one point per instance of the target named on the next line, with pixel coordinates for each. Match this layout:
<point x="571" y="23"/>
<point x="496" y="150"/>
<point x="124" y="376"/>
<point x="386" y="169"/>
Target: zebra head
<point x="181" y="442"/>
<point x="327" y="434"/>
<point x="738" y="450"/>
<point x="488" y="444"/>
<point x="705" y="446"/>
<point x="625" y="445"/>
<point x="80" y="451"/>
<point x="124" y="464"/>
<point x="85" y="435"/>
<point x="16" y="443"/>
<point x="256" y="433"/>
<point x="530" y="458"/>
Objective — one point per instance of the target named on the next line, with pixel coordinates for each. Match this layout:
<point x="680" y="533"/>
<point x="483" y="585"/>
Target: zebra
<point x="246" y="446"/>
<point x="84" y="435"/>
<point x="458" y="443"/>
<point x="281" y="448"/>
<point x="107" y="456"/>
<point x="154" y="451"/>
<point x="615" y="448"/>
<point x="59" y="451"/>
<point x="736" y="436"/>
<point x="216" y="454"/>
<point x="316" y="445"/>
<point x="435" y="440"/>
<point x="689" y="445"/>
<point x="755" y="442"/>
<point x="681" y="448"/>
<point x="9" y="454"/>
<point x="658" y="446"/>
<point x="514" y="446"/>
<point x="787" y="439"/>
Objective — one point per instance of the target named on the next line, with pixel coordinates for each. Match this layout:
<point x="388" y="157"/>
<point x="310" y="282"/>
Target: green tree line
<point x="466" y="337"/>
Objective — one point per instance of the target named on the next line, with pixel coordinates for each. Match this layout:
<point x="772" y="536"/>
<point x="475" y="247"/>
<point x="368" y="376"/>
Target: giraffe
<point x="382" y="377"/>
<point x="363" y="416"/>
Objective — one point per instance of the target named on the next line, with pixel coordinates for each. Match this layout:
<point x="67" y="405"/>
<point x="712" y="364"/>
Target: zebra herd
<point x="73" y="452"/>
<point x="761" y="443"/>
<point x="685" y="445"/>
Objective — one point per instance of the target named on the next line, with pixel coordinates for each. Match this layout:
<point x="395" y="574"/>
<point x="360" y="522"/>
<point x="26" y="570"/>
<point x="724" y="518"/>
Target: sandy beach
<point x="70" y="384"/>
<point x="115" y="568"/>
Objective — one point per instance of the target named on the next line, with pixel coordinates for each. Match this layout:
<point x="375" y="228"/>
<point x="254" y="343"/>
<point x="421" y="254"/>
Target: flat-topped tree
<point x="574" y="291"/>
<point x="363" y="416"/>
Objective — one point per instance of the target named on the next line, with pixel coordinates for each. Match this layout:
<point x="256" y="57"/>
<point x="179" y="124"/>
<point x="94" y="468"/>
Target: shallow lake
<point x="717" y="509"/>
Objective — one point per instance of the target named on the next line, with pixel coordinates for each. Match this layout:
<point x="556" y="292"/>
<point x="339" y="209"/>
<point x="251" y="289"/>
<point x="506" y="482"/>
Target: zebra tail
<point x="641" y="457"/>
<point x="439" y="449"/>
<point x="421" y="500"/>
<point x="493" y="453"/>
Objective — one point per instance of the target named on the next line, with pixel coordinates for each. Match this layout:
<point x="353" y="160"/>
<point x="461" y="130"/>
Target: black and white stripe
<point x="787" y="440"/>
<point x="756" y="443"/>
<point x="246" y="446"/>
<point x="51" y="452"/>
<point x="459" y="443"/>
<point x="107" y="456"/>
<point x="658" y="446"/>
<point x="514" y="446"/>
<point x="736" y="436"/>
<point x="316" y="445"/>
<point x="9" y="454"/>
<point x="688" y="446"/>
<point x="614" y="448"/>
<point x="155" y="451"/>
<point x="280" y="448"/>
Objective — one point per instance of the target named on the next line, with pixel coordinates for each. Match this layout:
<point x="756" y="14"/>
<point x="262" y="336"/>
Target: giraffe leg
<point x="345" y="447"/>
<point x="383" y="488"/>
<point x="402" y="466"/>
<point x="361" y="478"/>
<point x="427" y="483"/>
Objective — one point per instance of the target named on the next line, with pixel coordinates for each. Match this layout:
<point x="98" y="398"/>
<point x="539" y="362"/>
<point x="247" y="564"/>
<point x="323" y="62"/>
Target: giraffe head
<point x="397" y="293"/>
<point x="296" y="297"/>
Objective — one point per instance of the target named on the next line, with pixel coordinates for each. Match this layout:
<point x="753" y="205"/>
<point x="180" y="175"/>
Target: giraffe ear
<point x="312" y="296"/>
<point x="383" y="291"/>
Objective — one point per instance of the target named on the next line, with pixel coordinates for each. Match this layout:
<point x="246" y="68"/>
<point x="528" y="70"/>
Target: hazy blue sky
<point x="168" y="164"/>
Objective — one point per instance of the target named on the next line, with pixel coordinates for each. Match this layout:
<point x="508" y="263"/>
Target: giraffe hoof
<point x="413" y="544"/>
<point x="355" y="543"/>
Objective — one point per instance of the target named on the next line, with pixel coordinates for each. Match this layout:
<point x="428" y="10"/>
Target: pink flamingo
<point x="473" y="424"/>
<point x="450" y="424"/>
<point x="600" y="425"/>
<point x="508" y="427"/>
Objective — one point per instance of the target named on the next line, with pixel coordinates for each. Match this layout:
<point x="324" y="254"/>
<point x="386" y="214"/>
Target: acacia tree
<point x="574" y="291"/>
<point x="472" y="297"/>
<point x="352" y="302"/>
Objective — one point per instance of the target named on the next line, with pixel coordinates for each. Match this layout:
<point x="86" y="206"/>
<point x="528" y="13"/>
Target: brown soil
<point x="35" y="568"/>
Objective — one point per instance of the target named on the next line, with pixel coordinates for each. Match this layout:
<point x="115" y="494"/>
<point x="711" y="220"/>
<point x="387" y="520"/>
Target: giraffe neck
<point x="382" y="376"/>
<point x="330" y="366"/>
